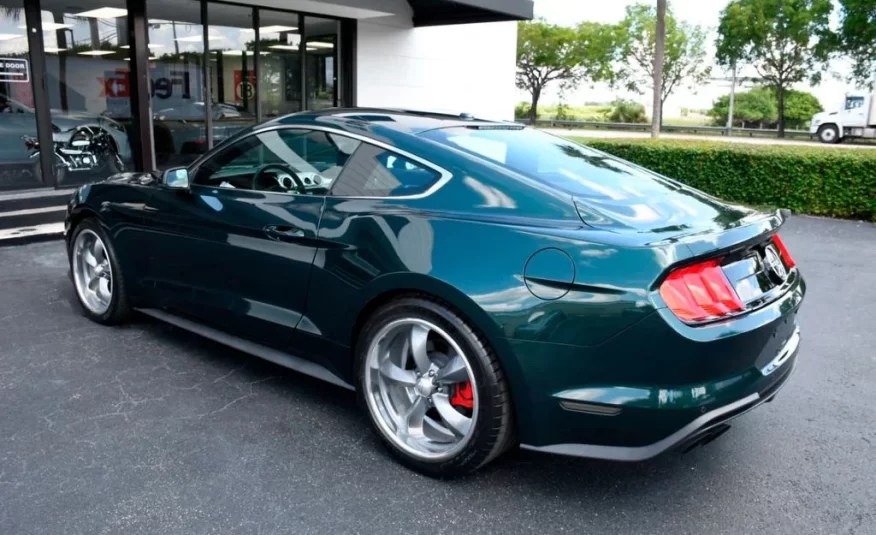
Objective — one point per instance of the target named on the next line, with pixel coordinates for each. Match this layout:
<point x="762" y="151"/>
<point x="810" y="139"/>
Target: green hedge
<point x="819" y="180"/>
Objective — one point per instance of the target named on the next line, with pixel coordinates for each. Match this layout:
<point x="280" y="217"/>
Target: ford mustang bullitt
<point x="481" y="285"/>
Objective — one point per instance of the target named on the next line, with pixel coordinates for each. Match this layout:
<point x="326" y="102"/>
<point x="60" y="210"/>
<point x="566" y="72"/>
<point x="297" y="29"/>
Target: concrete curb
<point x="37" y="233"/>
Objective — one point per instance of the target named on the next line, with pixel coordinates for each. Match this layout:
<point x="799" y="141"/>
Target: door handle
<point x="279" y="232"/>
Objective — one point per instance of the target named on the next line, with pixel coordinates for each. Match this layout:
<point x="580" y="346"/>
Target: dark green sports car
<point x="479" y="284"/>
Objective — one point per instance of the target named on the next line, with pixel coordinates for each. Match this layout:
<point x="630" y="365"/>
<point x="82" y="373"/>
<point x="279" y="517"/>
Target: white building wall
<point x="461" y="68"/>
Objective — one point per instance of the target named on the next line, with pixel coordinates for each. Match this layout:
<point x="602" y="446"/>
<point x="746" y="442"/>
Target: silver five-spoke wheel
<point x="420" y="389"/>
<point x="92" y="272"/>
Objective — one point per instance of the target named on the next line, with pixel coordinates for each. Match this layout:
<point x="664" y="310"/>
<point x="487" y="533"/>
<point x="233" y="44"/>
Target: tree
<point x="627" y="111"/>
<point x="800" y="106"/>
<point x="750" y="108"/>
<point x="759" y="106"/>
<point x="786" y="41"/>
<point x="857" y="38"/>
<point x="548" y="53"/>
<point x="659" y="51"/>
<point x="684" y="60"/>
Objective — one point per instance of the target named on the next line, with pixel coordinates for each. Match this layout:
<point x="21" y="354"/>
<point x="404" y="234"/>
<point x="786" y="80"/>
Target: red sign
<point x="244" y="87"/>
<point x="22" y="93"/>
<point x="116" y="83"/>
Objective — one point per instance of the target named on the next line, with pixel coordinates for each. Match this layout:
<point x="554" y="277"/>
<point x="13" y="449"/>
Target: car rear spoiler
<point x="749" y="229"/>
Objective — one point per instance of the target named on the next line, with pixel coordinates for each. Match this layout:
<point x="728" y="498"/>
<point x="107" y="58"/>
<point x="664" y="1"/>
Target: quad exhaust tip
<point x="708" y="436"/>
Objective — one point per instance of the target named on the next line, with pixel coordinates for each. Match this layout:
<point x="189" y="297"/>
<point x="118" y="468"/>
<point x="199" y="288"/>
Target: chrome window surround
<point x="445" y="175"/>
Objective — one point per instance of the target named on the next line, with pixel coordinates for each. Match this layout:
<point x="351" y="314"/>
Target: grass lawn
<point x="687" y="121"/>
<point x="576" y="113"/>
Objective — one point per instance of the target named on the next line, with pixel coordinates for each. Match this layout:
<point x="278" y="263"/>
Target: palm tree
<point x="657" y="110"/>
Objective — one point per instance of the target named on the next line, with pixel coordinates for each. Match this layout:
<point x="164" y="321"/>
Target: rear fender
<point x="397" y="283"/>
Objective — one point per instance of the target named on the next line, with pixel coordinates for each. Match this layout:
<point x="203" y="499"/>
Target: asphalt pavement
<point x="146" y="429"/>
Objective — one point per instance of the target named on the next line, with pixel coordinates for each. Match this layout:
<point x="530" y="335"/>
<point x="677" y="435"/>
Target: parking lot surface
<point x="148" y="429"/>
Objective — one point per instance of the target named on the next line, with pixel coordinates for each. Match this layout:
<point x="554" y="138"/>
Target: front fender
<point x="833" y="121"/>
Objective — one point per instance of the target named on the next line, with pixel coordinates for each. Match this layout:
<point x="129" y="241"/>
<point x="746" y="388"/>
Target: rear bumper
<point x="774" y="376"/>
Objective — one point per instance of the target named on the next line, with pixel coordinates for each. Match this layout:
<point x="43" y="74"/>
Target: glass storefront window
<point x="19" y="160"/>
<point x="232" y="69"/>
<point x="176" y="51"/>
<point x="88" y="83"/>
<point x="280" y="42"/>
<point x="294" y="66"/>
<point x="321" y="53"/>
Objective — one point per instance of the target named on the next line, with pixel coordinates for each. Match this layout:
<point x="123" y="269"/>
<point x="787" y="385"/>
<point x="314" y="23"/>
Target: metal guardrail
<point x="646" y="127"/>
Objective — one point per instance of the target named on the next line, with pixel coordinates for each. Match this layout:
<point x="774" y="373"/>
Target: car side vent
<point x="590" y="408"/>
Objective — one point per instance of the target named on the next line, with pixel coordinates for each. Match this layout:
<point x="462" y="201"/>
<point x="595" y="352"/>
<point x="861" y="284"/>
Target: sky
<point x="702" y="12"/>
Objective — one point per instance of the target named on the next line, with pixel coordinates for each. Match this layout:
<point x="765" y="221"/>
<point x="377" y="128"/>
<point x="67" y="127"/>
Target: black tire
<point x="60" y="173"/>
<point x="119" y="310"/>
<point x="493" y="432"/>
<point x="829" y="133"/>
<point x="113" y="165"/>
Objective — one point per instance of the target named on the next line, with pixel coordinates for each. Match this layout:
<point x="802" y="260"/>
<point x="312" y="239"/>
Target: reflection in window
<point x="88" y="83"/>
<point x="554" y="161"/>
<point x="281" y="161"/>
<point x="376" y="172"/>
<point x="321" y="61"/>
<point x="232" y="69"/>
<point x="176" y="49"/>
<point x="280" y="40"/>
<point x="17" y="118"/>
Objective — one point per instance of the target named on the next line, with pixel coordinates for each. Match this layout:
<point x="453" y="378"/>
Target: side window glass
<point x="291" y="161"/>
<point x="854" y="103"/>
<point x="376" y="172"/>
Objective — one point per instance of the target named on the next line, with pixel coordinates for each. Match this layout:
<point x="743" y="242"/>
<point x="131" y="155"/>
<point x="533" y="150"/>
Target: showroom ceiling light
<point x="237" y="52"/>
<point x="319" y="44"/>
<point x="9" y="36"/>
<point x="199" y="38"/>
<point x="50" y="26"/>
<point x="272" y="29"/>
<point x="284" y="47"/>
<point x="54" y="50"/>
<point x="103" y="13"/>
<point x="150" y="45"/>
<point x="96" y="52"/>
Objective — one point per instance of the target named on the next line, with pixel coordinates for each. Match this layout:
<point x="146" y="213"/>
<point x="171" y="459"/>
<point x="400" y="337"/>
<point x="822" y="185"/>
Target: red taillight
<point x="786" y="256"/>
<point x="700" y="292"/>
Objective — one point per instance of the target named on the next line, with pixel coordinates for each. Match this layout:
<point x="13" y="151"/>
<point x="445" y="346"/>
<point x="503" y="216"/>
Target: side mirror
<point x="176" y="178"/>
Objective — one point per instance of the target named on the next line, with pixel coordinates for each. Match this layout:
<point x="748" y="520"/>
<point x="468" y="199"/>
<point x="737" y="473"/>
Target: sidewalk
<point x="19" y="235"/>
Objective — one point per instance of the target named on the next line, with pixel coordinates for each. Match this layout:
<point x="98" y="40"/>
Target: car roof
<point x="354" y="119"/>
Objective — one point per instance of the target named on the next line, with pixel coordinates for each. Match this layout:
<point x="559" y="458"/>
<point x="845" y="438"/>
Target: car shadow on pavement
<point x="516" y="464"/>
<point x="289" y="392"/>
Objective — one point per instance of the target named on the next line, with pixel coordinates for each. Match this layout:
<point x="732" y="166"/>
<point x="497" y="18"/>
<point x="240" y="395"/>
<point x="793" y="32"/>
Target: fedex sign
<point x="171" y="84"/>
<point x="117" y="83"/>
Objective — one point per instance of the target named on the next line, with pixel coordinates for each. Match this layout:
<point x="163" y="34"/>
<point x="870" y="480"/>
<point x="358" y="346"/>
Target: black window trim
<point x="445" y="175"/>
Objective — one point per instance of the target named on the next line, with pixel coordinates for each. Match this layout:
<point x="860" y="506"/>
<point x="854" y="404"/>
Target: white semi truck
<point x="857" y="119"/>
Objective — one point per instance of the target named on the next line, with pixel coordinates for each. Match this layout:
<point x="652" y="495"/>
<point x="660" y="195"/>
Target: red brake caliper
<point x="462" y="395"/>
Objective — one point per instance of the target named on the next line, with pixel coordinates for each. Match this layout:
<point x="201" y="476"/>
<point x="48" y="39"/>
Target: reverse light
<point x="700" y="292"/>
<point x="786" y="256"/>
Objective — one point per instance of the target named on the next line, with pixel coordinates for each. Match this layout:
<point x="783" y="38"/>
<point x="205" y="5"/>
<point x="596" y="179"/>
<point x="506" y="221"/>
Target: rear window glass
<point x="554" y="161"/>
